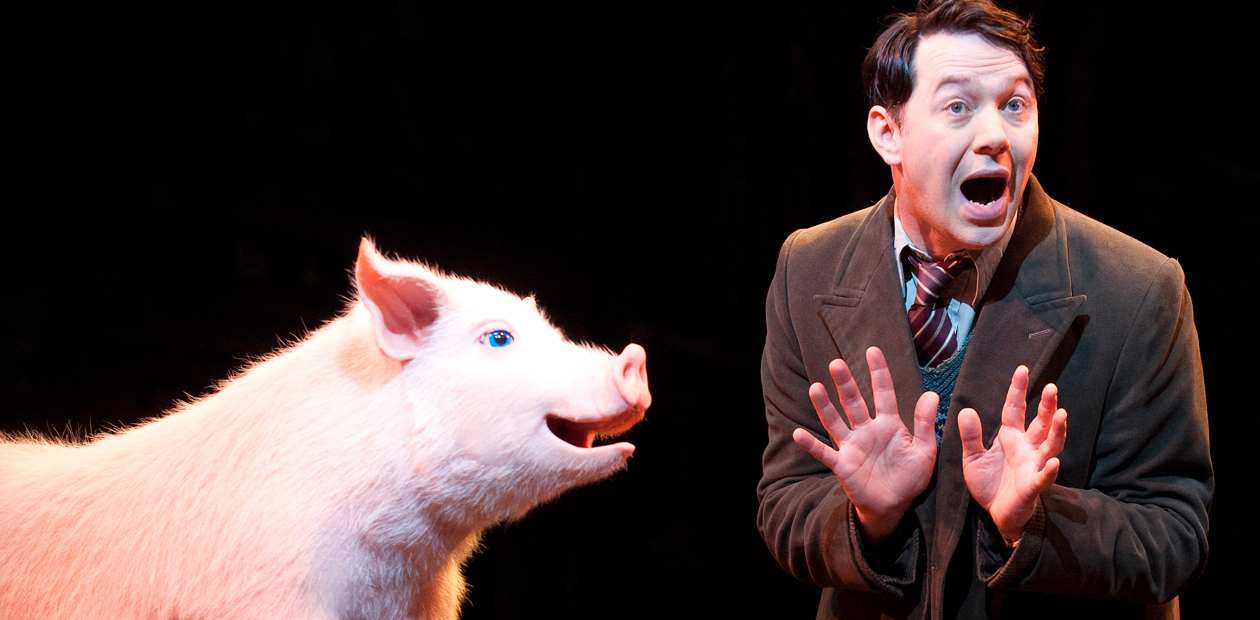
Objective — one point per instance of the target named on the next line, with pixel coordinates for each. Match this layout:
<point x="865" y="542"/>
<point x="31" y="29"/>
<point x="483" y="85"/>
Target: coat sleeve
<point x="804" y="515"/>
<point x="1137" y="531"/>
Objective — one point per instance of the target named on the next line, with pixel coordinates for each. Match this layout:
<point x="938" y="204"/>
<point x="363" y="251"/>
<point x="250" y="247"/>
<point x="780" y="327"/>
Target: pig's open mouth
<point x="582" y="434"/>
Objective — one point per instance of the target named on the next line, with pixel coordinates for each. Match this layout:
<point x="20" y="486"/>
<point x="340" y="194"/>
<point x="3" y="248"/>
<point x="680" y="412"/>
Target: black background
<point x="188" y="185"/>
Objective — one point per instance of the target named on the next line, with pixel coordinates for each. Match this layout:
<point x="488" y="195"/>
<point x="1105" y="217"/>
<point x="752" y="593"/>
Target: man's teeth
<point x="983" y="190"/>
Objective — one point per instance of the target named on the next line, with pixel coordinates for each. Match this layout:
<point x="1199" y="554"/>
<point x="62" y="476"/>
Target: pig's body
<point x="346" y="477"/>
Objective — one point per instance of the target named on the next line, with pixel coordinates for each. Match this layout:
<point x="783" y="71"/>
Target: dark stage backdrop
<point x="188" y="185"/>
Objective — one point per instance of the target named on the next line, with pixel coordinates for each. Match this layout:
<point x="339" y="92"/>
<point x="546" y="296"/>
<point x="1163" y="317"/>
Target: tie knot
<point x="934" y="276"/>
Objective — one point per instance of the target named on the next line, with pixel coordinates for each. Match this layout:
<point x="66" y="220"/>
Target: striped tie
<point x="929" y="320"/>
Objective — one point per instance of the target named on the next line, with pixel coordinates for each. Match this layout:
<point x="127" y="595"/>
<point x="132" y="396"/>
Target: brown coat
<point x="1101" y="315"/>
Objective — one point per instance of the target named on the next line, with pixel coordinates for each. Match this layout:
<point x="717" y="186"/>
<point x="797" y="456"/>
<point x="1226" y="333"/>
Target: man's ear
<point x="885" y="135"/>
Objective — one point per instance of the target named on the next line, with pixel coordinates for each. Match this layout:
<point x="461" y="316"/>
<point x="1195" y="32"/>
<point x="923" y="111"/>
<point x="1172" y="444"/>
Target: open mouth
<point x="984" y="190"/>
<point x="582" y="434"/>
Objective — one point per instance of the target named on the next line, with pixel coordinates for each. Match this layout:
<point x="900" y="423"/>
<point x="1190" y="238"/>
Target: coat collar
<point x="1025" y="312"/>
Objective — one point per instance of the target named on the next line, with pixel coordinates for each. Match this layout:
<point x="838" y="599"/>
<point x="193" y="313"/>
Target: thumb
<point x="970" y="432"/>
<point x="925" y="417"/>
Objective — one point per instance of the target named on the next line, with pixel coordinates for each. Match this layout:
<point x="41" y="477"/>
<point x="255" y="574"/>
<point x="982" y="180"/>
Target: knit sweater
<point x="941" y="380"/>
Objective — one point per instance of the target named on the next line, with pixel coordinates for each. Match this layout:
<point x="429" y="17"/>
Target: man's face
<point x="965" y="145"/>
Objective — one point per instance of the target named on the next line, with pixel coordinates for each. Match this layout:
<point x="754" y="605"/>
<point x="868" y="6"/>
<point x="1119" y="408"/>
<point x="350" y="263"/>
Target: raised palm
<point x="880" y="465"/>
<point x="1007" y="478"/>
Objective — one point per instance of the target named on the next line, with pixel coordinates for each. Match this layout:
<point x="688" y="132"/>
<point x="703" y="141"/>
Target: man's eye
<point x="497" y="338"/>
<point x="1015" y="105"/>
<point x="957" y="108"/>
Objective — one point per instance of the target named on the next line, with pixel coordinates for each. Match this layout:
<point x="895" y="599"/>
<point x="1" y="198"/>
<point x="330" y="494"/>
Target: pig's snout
<point x="630" y="375"/>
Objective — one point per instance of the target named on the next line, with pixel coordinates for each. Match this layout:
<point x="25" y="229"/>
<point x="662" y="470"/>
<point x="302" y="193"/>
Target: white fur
<point x="330" y="480"/>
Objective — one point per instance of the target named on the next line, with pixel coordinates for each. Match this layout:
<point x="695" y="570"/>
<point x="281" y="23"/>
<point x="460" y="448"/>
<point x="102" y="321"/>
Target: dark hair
<point x="888" y="71"/>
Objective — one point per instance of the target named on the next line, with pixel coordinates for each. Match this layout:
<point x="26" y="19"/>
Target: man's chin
<point x="981" y="235"/>
<point x="984" y="225"/>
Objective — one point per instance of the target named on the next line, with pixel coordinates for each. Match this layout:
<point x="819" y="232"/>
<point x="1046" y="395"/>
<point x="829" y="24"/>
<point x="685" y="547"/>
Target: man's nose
<point x="991" y="138"/>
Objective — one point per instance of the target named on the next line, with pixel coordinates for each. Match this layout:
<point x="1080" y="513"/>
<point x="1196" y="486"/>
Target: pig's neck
<point x="313" y="454"/>
<point x="384" y="469"/>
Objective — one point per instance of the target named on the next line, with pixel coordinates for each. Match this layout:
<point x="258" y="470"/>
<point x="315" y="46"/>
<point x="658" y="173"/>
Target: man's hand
<point x="880" y="465"/>
<point x="1007" y="478"/>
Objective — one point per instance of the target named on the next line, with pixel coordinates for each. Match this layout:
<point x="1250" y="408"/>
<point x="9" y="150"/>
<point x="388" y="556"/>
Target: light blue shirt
<point x="966" y="291"/>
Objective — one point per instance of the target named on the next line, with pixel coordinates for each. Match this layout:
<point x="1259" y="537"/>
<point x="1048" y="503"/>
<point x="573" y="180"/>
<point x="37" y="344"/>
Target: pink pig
<point x="348" y="476"/>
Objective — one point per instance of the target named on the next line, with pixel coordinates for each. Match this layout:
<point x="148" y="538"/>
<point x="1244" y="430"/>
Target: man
<point x="968" y="309"/>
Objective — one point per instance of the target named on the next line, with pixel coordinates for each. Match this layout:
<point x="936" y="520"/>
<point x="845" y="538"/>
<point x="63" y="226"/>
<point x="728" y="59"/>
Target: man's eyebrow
<point x="964" y="79"/>
<point x="969" y="79"/>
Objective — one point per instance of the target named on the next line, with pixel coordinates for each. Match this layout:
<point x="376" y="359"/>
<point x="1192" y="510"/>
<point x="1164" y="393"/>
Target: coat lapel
<point x="1026" y="311"/>
<point x="864" y="311"/>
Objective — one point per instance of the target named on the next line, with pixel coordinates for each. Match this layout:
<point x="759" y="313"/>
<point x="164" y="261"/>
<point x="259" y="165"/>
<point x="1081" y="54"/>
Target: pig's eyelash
<point x="497" y="338"/>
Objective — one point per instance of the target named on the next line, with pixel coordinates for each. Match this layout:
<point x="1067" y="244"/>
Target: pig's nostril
<point x="633" y="372"/>
<point x="634" y="366"/>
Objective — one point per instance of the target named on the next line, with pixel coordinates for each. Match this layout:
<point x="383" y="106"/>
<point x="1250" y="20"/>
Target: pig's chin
<point x="582" y="433"/>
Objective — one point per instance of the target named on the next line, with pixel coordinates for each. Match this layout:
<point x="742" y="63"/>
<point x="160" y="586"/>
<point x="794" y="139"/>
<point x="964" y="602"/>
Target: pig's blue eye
<point x="498" y="338"/>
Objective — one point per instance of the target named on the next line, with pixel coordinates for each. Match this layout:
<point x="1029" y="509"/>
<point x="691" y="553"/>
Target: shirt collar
<point x="986" y="260"/>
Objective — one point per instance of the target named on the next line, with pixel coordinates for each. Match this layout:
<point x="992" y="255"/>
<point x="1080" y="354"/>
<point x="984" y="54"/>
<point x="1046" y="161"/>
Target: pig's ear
<point x="402" y="305"/>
